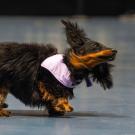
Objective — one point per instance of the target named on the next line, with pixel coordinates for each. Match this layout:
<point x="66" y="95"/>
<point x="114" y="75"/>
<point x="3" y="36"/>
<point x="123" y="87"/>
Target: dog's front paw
<point x="58" y="107"/>
<point x="4" y="113"/>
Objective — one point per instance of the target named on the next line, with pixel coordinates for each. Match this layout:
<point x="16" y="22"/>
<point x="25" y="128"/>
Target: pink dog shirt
<point x="59" y="69"/>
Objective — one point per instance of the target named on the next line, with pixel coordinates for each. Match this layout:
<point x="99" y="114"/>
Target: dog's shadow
<point x="38" y="113"/>
<point x="95" y="114"/>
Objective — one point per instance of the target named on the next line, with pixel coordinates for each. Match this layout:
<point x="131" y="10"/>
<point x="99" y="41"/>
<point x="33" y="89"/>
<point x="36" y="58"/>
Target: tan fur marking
<point x="46" y="96"/>
<point x="89" y="60"/>
<point x="63" y="105"/>
<point x="3" y="95"/>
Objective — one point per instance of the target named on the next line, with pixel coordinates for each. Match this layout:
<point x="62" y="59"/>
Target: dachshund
<point x="39" y="76"/>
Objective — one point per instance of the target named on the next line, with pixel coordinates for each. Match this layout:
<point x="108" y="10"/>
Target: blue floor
<point x="97" y="112"/>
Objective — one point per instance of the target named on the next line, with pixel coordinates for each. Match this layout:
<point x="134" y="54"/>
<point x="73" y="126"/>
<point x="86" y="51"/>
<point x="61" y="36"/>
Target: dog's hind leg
<point x="3" y="95"/>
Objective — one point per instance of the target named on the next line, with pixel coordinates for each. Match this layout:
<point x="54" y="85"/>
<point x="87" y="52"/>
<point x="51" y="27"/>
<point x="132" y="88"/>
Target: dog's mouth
<point x="108" y="58"/>
<point x="108" y="55"/>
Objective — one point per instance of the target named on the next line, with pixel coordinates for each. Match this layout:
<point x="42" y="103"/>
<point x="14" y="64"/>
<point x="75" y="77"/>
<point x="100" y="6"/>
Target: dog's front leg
<point x="49" y="100"/>
<point x="55" y="106"/>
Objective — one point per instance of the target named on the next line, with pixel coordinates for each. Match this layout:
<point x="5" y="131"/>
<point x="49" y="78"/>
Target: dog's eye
<point x="81" y="51"/>
<point x="95" y="45"/>
<point x="94" y="48"/>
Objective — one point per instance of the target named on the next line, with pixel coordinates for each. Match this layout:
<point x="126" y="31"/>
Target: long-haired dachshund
<point x="40" y="77"/>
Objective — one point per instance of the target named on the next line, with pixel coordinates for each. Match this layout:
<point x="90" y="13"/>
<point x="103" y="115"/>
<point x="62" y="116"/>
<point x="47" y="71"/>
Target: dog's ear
<point x="102" y="74"/>
<point x="75" y="36"/>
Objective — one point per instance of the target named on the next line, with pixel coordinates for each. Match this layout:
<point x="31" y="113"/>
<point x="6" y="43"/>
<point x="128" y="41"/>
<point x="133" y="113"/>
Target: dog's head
<point x="90" y="55"/>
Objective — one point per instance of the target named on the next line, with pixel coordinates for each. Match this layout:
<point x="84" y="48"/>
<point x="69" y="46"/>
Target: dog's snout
<point x="114" y="51"/>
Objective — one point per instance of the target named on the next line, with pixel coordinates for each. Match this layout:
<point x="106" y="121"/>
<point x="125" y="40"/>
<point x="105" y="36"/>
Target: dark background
<point x="67" y="7"/>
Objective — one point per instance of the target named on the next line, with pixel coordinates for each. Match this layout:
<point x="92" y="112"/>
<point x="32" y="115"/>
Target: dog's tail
<point x="75" y="36"/>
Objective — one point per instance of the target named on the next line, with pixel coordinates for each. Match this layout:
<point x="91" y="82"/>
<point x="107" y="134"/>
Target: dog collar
<point x="58" y="69"/>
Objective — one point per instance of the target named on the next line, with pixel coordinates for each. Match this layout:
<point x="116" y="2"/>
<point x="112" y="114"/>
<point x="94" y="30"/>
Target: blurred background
<point x="111" y="22"/>
<point x="67" y="7"/>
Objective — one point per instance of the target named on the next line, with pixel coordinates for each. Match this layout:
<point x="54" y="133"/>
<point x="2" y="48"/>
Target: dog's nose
<point x="114" y="51"/>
